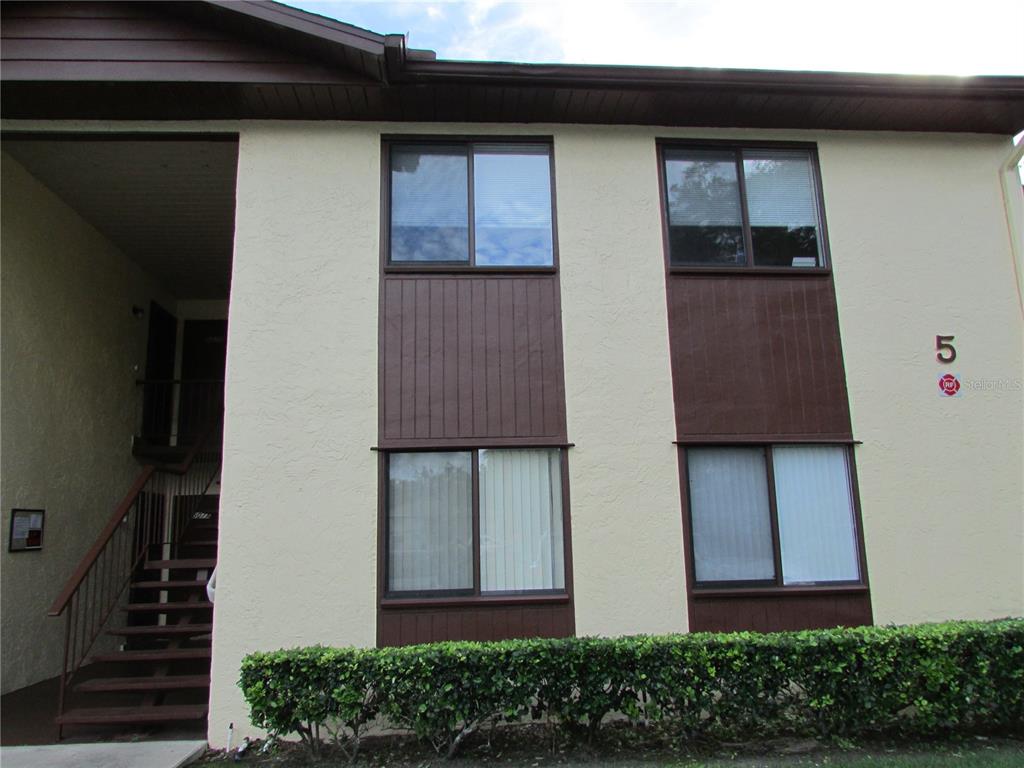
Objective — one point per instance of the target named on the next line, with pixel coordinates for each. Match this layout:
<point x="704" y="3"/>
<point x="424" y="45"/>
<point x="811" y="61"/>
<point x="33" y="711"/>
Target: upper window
<point x="779" y="515"/>
<point x="485" y="205"/>
<point x="742" y="207"/>
<point x="508" y="501"/>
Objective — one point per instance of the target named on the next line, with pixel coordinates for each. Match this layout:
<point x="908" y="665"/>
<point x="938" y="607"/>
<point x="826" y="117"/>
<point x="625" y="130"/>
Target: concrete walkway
<point x="138" y="754"/>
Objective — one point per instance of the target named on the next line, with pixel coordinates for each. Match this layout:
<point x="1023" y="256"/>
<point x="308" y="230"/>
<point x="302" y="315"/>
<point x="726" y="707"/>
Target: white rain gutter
<point x="1013" y="206"/>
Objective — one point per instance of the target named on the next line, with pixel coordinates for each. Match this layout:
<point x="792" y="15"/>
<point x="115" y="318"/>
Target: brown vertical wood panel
<point x="450" y="344"/>
<point x="471" y="359"/>
<point x="419" y="371"/>
<point x="778" y="613"/>
<point x="477" y="330"/>
<point x="756" y="355"/>
<point x="506" y="401"/>
<point x="408" y="626"/>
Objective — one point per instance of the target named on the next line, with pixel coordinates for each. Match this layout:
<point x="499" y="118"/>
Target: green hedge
<point x="959" y="677"/>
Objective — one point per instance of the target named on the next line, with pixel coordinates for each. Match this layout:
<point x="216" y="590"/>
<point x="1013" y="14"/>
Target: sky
<point x="955" y="37"/>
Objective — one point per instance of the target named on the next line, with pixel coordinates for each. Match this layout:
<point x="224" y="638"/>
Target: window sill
<point x="749" y="271"/>
<point x="472" y="601"/>
<point x="464" y="269"/>
<point x="795" y="591"/>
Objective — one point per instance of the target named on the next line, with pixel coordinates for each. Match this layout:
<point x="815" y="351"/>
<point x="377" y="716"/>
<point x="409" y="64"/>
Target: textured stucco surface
<point x="920" y="246"/>
<point x="297" y="562"/>
<point x="624" y="483"/>
<point x="69" y="402"/>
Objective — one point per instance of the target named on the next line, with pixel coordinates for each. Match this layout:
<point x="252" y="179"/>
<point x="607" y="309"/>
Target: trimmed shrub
<point x="958" y="677"/>
<point x="313" y="692"/>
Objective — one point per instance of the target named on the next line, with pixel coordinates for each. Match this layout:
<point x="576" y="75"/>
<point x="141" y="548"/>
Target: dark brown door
<point x="157" y="397"/>
<point x="203" y="354"/>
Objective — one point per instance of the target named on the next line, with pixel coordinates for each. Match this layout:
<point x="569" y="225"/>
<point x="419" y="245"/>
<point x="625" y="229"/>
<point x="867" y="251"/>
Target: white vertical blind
<point x="521" y="520"/>
<point x="815" y="508"/>
<point x="730" y="515"/>
<point x="430" y="512"/>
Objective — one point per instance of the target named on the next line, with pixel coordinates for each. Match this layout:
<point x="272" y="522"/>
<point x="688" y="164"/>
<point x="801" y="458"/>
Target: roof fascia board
<point x="306" y="23"/>
<point x="584" y="76"/>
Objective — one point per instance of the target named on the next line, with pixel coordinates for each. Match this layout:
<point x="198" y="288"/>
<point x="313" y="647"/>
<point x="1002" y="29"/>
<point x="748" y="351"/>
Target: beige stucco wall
<point x="69" y="402"/>
<point x="623" y="472"/>
<point x="920" y="244"/>
<point x="297" y="556"/>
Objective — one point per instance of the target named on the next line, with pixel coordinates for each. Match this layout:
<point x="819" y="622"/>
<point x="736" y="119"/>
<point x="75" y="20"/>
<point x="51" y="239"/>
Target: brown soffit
<point x="404" y="84"/>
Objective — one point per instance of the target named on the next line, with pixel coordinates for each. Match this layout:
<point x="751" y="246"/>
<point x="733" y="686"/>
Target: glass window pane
<point x="430" y="532"/>
<point x="815" y="506"/>
<point x="705" y="225"/>
<point x="429" y="204"/>
<point x="730" y="516"/>
<point x="512" y="206"/>
<point x="783" y="212"/>
<point x="521" y="520"/>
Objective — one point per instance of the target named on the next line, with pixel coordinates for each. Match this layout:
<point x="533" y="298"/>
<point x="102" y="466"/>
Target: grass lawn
<point x="1002" y="755"/>
<point x="969" y="753"/>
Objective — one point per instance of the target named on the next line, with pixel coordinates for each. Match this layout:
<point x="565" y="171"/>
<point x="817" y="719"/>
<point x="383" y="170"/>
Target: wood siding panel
<point x="410" y="626"/>
<point x="779" y="613"/>
<point x="144" y="42"/>
<point x="756" y="355"/>
<point x="471" y="359"/>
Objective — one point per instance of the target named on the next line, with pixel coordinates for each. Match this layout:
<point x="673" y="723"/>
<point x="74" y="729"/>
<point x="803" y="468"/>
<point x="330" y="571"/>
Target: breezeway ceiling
<point x="167" y="204"/>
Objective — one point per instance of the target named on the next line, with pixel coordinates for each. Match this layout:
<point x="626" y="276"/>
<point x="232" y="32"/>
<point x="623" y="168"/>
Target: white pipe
<point x="1013" y="206"/>
<point x="211" y="586"/>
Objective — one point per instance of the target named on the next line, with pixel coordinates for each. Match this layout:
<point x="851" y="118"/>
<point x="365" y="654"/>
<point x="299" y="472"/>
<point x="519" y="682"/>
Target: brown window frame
<point x="737" y="148"/>
<point x="466" y="143"/>
<point x="461" y="597"/>
<point x="774" y="586"/>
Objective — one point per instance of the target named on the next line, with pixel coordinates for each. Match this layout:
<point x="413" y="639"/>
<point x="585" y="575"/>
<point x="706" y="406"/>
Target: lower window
<point x="487" y="521"/>
<point x="780" y="515"/>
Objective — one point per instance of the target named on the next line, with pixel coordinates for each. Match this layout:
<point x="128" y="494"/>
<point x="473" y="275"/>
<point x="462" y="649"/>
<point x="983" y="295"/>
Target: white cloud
<point x="872" y="36"/>
<point x="912" y="36"/>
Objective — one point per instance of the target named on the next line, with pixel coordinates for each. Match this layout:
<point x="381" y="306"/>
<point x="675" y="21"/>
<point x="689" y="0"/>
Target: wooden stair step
<point x="114" y="715"/>
<point x="167" y="584"/>
<point x="194" y="562"/>
<point x="158" y="630"/>
<point x="161" y="683"/>
<point x="167" y="607"/>
<point x="173" y="654"/>
<point x="199" y="543"/>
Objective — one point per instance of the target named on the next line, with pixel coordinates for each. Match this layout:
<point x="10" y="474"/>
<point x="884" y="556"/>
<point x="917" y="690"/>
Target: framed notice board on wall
<point x="26" y="530"/>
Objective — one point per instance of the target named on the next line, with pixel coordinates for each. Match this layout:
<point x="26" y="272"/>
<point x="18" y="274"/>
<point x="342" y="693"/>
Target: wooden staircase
<point x="137" y="620"/>
<point x="158" y="669"/>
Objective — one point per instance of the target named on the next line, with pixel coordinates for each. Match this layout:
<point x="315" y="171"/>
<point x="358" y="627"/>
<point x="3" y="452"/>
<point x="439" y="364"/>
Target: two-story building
<point x="502" y="350"/>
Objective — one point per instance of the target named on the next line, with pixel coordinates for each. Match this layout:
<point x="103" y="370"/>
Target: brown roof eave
<point x="620" y="76"/>
<point x="306" y="23"/>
